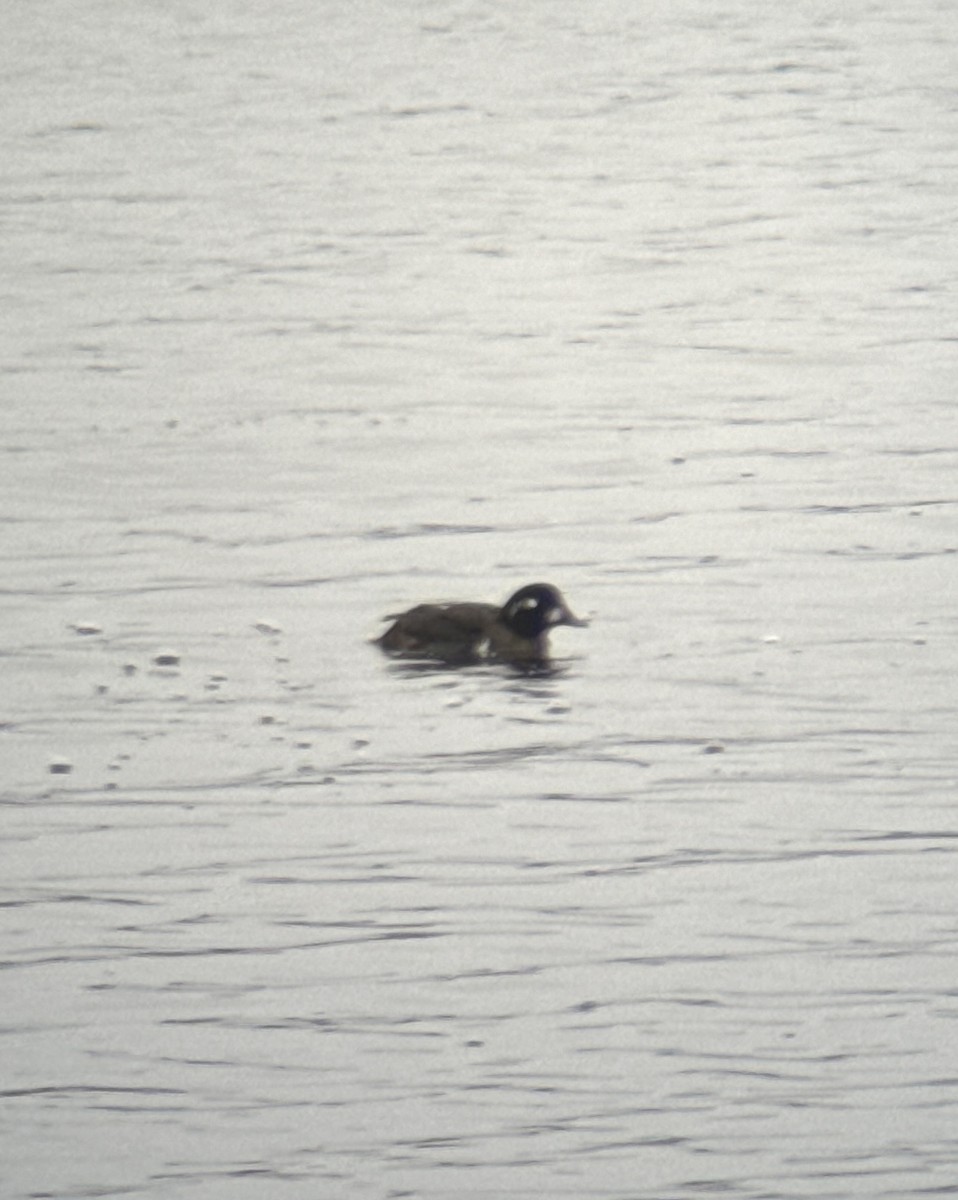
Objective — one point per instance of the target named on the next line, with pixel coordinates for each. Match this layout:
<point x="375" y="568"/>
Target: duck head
<point x="534" y="609"/>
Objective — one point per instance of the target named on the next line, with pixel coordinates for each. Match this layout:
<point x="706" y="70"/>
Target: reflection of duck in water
<point x="517" y="633"/>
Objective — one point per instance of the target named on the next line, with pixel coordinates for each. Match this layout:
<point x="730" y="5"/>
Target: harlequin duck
<point x="468" y="632"/>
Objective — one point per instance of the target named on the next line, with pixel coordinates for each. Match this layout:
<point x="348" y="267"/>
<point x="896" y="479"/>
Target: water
<point x="316" y="311"/>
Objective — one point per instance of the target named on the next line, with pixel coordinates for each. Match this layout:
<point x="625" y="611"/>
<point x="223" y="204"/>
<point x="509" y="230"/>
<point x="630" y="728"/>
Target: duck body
<point x="467" y="632"/>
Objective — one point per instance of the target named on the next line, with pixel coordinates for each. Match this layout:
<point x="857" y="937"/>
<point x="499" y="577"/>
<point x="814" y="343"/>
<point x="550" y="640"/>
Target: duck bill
<point x="565" y="616"/>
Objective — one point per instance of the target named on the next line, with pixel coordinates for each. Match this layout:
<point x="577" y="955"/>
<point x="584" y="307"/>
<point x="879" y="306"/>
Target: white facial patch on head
<point x="530" y="602"/>
<point x="555" y="616"/>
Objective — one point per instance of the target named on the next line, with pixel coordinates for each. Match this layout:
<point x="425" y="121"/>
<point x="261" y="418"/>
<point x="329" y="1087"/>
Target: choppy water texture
<point x="313" y="311"/>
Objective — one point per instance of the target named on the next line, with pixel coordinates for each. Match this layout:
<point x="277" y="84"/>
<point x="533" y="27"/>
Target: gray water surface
<point x="316" y="311"/>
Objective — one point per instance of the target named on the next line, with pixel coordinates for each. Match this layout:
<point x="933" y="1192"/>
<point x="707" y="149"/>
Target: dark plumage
<point x="467" y="632"/>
